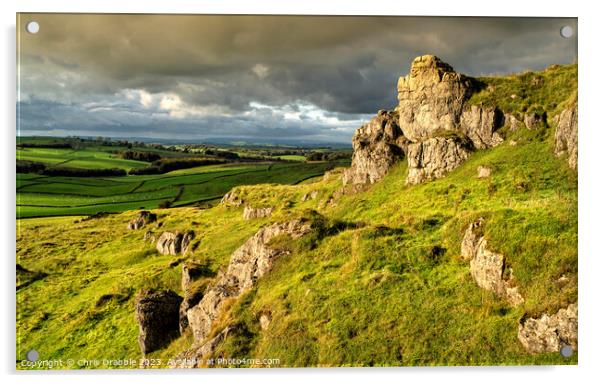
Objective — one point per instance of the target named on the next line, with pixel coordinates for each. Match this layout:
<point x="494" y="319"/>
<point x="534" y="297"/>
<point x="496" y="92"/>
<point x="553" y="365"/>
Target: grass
<point x="382" y="283"/>
<point x="86" y="159"/>
<point x="39" y="196"/>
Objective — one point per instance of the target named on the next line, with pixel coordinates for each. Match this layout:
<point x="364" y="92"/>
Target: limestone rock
<point x="196" y="355"/>
<point x="377" y="145"/>
<point x="480" y="125"/>
<point x="232" y="198"/>
<point x="259" y="212"/>
<point x="143" y="218"/>
<point x="549" y="333"/>
<point x="172" y="243"/>
<point x="488" y="268"/>
<point x="307" y="196"/>
<point x="512" y="122"/>
<point x="431" y="98"/>
<point x="248" y="263"/>
<point x="535" y="120"/>
<point x="158" y="317"/>
<point x="265" y="319"/>
<point x="483" y="172"/>
<point x="566" y="136"/>
<point x="434" y="158"/>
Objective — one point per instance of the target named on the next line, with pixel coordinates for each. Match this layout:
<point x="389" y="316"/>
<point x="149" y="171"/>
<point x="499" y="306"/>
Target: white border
<point x="590" y="191"/>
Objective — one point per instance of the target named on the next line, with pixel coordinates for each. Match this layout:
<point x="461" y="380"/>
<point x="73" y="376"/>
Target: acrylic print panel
<point x="295" y="191"/>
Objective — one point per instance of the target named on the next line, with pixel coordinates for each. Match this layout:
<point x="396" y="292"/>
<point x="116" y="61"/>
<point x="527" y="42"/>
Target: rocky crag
<point x="437" y="129"/>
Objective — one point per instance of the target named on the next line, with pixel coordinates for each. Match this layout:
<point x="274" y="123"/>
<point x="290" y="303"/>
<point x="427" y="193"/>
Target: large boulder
<point x="172" y="243"/>
<point x="157" y="313"/>
<point x="480" y="124"/>
<point x="377" y="145"/>
<point x="434" y="158"/>
<point x="248" y="263"/>
<point x="566" y="136"/>
<point x="431" y="98"/>
<point x="143" y="218"/>
<point x="549" y="333"/>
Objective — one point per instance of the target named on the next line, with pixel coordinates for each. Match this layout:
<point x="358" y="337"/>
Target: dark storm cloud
<point x="218" y="67"/>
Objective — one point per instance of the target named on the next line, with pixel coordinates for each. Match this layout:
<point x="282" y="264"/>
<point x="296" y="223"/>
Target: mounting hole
<point x="32" y="355"/>
<point x="566" y="31"/>
<point x="32" y="27"/>
<point x="566" y="351"/>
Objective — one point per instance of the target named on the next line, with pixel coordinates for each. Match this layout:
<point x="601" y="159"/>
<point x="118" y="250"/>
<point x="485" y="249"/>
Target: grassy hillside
<point x="381" y="284"/>
<point x="86" y="159"/>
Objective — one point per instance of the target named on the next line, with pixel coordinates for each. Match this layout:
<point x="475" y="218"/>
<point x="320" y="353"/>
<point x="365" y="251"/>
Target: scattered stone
<point x="513" y="143"/>
<point x="308" y="196"/>
<point x="512" y="122"/>
<point x="253" y="213"/>
<point x="172" y="243"/>
<point x="549" y="333"/>
<point x="143" y="218"/>
<point x="157" y="314"/>
<point x="566" y="136"/>
<point x="377" y="145"/>
<point x="483" y="172"/>
<point x="148" y="236"/>
<point x="265" y="318"/>
<point x="489" y="269"/>
<point x="535" y="120"/>
<point x="232" y="198"/>
<point x="434" y="158"/>
<point x="248" y="263"/>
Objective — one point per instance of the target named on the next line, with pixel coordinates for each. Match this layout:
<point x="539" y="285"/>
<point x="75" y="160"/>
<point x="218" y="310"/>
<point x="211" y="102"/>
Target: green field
<point x="86" y="159"/>
<point x="39" y="196"/>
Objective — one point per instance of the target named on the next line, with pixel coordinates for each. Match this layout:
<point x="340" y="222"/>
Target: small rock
<point x="483" y="172"/>
<point x="513" y="143"/>
<point x="143" y="218"/>
<point x="232" y="198"/>
<point x="157" y="314"/>
<point x="535" y="120"/>
<point x="265" y="319"/>
<point x="252" y="213"/>
<point x="549" y="333"/>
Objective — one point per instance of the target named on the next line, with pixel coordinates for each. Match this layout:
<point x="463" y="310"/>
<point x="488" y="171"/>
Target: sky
<point x="259" y="79"/>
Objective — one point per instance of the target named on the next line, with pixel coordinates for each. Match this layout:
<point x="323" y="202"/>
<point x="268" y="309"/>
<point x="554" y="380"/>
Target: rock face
<point x="248" y="263"/>
<point x="488" y="268"/>
<point x="549" y="333"/>
<point x="434" y="158"/>
<point x="566" y="136"/>
<point x="231" y="199"/>
<point x="260" y="212"/>
<point x="195" y="356"/>
<point x="190" y="273"/>
<point x="377" y="145"/>
<point x="157" y="314"/>
<point x="143" y="218"/>
<point x="433" y="125"/>
<point x="172" y="243"/>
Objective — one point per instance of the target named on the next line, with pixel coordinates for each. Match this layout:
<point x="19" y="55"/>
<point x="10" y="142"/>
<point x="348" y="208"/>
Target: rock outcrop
<point x="433" y="125"/>
<point x="157" y="314"/>
<point x="248" y="263"/>
<point x="377" y="145"/>
<point x="549" y="333"/>
<point x="488" y="268"/>
<point x="190" y="273"/>
<point x="195" y="357"/>
<point x="483" y="172"/>
<point x="172" y="243"/>
<point x="232" y="198"/>
<point x="257" y="212"/>
<point x="434" y="158"/>
<point x="566" y="136"/>
<point x="143" y="218"/>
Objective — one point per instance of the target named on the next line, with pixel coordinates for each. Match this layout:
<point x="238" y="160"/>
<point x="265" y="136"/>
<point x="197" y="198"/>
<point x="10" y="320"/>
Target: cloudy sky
<point x="251" y="78"/>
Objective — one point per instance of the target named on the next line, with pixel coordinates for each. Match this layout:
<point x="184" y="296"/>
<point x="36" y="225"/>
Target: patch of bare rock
<point x="232" y="198"/>
<point x="143" y="218"/>
<point x="566" y="135"/>
<point x="257" y="212"/>
<point x="483" y="172"/>
<point x="549" y="333"/>
<point x="488" y="268"/>
<point x="173" y="243"/>
<point x="157" y="316"/>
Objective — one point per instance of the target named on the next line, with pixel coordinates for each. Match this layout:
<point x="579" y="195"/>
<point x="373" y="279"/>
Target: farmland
<point x="40" y="195"/>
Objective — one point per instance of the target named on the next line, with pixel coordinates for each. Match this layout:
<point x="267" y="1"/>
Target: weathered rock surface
<point x="566" y="136"/>
<point x="377" y="145"/>
<point x="172" y="243"/>
<point x="535" y="120"/>
<point x="248" y="263"/>
<point x="308" y="196"/>
<point x="143" y="218"/>
<point x="157" y="314"/>
<point x="434" y="158"/>
<point x="232" y="198"/>
<point x="483" y="172"/>
<point x="265" y="318"/>
<point x="480" y="125"/>
<point x="431" y="98"/>
<point x="549" y="333"/>
<point x="259" y="212"/>
<point x="196" y="356"/>
<point x="488" y="268"/>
